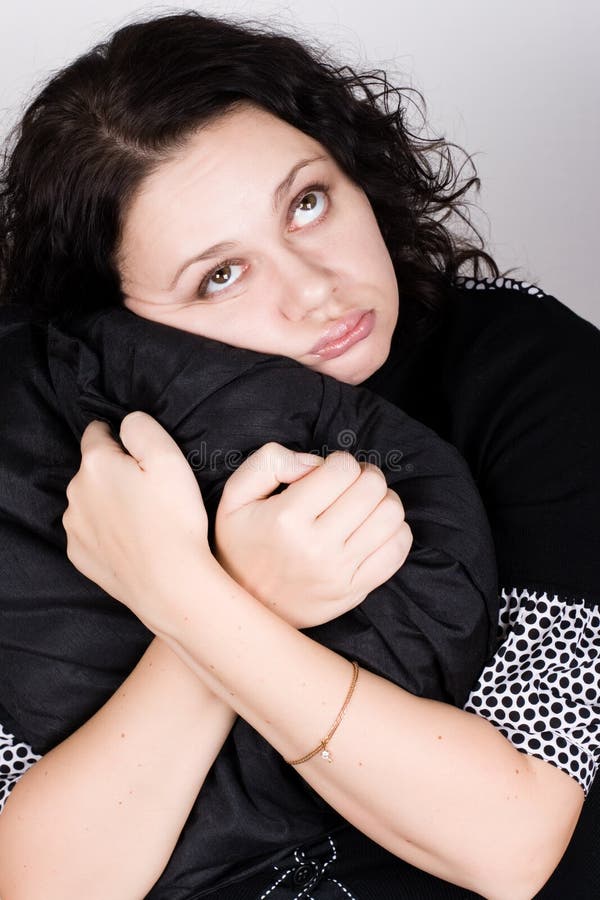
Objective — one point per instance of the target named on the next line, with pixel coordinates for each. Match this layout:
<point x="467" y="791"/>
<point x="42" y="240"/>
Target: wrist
<point x="184" y="593"/>
<point x="209" y="615"/>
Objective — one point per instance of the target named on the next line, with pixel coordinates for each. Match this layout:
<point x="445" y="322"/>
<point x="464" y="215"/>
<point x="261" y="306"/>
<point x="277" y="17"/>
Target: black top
<point x="66" y="646"/>
<point x="511" y="377"/>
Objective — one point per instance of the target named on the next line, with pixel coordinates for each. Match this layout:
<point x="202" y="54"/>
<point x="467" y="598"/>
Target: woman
<point x="479" y="406"/>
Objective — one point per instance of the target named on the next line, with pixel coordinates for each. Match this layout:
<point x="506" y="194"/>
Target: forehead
<point x="221" y="167"/>
<point x="248" y="141"/>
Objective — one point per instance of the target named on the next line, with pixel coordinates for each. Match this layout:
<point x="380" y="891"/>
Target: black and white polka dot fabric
<point x="542" y="688"/>
<point x="15" y="758"/>
<point x="490" y="283"/>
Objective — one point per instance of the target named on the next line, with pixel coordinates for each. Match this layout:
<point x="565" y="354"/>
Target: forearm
<point x="456" y="798"/>
<point x="99" y="815"/>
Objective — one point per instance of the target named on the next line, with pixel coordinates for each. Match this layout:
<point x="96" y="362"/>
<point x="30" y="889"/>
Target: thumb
<point x="146" y="440"/>
<point x="264" y="471"/>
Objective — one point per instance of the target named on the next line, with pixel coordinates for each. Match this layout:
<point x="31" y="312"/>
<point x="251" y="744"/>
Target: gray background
<point x="516" y="83"/>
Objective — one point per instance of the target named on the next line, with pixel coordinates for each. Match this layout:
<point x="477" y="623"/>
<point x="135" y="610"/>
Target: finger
<point x="263" y="472"/>
<point x="356" y="504"/>
<point x="325" y="485"/>
<point x="385" y="521"/>
<point x="98" y="436"/>
<point x="146" y="440"/>
<point x="383" y="564"/>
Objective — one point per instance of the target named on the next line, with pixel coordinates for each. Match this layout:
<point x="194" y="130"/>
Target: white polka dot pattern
<point x="15" y="758"/>
<point x="542" y="688"/>
<point x="490" y="283"/>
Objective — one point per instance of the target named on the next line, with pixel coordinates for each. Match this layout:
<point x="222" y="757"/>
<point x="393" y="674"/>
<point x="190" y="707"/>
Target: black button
<point x="305" y="872"/>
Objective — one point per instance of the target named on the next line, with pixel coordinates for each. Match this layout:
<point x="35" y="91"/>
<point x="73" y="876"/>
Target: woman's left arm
<point x="407" y="771"/>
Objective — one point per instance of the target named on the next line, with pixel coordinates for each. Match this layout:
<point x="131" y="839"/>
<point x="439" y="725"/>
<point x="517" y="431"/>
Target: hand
<point x="134" y="523"/>
<point x="318" y="548"/>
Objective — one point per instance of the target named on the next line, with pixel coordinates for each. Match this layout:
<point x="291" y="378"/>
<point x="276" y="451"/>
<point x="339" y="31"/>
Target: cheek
<point x="243" y="325"/>
<point x="364" y="246"/>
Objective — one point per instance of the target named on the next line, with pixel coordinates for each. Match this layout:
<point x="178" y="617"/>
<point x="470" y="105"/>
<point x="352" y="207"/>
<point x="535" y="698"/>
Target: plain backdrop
<point x="516" y="83"/>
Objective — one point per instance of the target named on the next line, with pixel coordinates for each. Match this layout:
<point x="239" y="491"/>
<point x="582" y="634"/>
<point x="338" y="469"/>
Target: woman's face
<point x="299" y="259"/>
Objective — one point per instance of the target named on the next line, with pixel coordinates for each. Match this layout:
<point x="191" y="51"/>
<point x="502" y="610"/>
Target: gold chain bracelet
<point x="322" y="746"/>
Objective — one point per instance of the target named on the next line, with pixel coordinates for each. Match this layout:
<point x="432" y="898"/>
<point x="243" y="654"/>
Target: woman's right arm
<point x="99" y="815"/>
<point x="120" y="789"/>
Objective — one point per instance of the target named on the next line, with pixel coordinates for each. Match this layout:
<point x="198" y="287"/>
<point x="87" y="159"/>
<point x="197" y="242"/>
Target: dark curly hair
<point x="103" y="123"/>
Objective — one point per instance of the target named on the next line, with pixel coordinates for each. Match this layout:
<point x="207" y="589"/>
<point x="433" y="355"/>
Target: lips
<point x="355" y="327"/>
<point x="337" y="331"/>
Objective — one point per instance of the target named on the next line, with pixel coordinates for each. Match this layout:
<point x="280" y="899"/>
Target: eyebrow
<point x="226" y="246"/>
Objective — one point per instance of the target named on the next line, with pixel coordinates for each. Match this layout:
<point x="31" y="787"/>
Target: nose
<point x="308" y="287"/>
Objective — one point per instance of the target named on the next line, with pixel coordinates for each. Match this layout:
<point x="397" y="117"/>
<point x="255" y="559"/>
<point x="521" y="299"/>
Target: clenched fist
<point x="318" y="548"/>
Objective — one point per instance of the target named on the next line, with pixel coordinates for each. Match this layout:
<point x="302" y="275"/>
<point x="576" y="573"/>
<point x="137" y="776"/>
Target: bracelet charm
<point x="322" y="746"/>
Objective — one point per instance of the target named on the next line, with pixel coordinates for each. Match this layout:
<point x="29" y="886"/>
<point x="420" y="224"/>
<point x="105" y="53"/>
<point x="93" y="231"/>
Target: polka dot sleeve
<point x="542" y="688"/>
<point x="15" y="758"/>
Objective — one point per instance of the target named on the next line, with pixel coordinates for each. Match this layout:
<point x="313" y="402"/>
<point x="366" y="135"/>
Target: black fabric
<point x="65" y="646"/>
<point x="342" y="865"/>
<point x="513" y="380"/>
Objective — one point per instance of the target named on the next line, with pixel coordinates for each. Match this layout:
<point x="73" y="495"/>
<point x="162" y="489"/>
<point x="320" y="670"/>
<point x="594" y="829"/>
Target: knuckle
<point x="374" y="479"/>
<point x="136" y="415"/>
<point x="267" y="458"/>
<point x="388" y="510"/>
<point x="368" y="466"/>
<point x="66" y="519"/>
<point x="395" y="496"/>
<point x="341" y="459"/>
<point x="394" y="501"/>
<point x="257" y="457"/>
<point x="271" y="448"/>
<point x="285" y="521"/>
<point x="384" y="515"/>
<point x="405" y="537"/>
<point x="91" y="461"/>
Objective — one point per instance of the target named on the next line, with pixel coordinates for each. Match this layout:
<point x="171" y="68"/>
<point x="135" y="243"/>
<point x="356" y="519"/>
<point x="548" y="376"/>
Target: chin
<point x="356" y="365"/>
<point x="358" y="378"/>
<point x="357" y="375"/>
<point x="371" y="364"/>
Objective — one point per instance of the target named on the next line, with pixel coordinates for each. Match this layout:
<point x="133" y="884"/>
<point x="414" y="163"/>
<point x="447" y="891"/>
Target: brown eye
<point x="311" y="206"/>
<point x="222" y="275"/>
<point x="219" y="279"/>
<point x="308" y="202"/>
